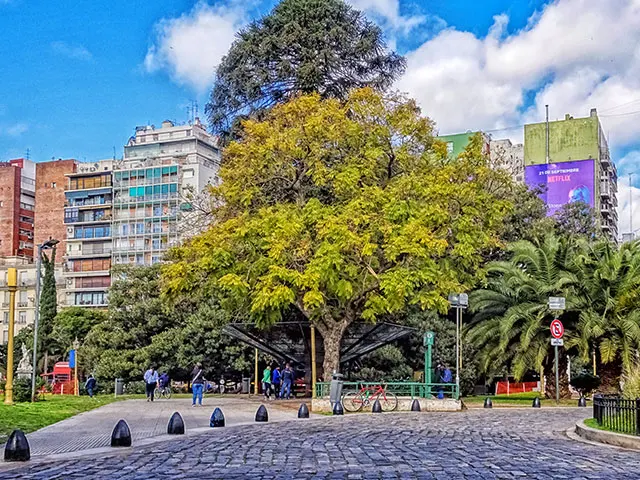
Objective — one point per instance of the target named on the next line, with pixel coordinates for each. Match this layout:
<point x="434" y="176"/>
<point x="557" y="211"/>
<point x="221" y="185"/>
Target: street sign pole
<point x="557" y="377"/>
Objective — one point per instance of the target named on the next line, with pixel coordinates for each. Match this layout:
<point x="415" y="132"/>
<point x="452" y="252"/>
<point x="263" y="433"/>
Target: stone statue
<point x="24" y="367"/>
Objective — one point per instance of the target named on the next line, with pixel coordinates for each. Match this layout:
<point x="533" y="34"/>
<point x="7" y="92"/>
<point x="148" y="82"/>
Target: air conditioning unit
<point x="69" y="230"/>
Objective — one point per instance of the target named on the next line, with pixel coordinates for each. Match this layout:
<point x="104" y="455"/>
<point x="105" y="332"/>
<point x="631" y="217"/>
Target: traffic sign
<point x="557" y="329"/>
<point x="557" y="342"/>
<point x="429" y="338"/>
<point x="557" y="303"/>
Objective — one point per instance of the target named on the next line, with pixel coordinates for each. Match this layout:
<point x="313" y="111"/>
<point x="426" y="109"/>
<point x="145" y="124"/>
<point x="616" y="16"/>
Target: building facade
<point x="87" y="216"/>
<point x="508" y="156"/>
<point x="161" y="168"/>
<point x="17" y="208"/>
<point x="49" y="200"/>
<point x="576" y="166"/>
<point x="26" y="294"/>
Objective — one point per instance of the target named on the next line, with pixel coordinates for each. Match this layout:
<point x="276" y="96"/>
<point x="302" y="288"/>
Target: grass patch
<point x="519" y="399"/>
<point x="623" y="424"/>
<point x="29" y="417"/>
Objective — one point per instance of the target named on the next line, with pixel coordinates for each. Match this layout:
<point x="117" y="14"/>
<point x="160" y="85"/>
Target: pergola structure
<point x="292" y="341"/>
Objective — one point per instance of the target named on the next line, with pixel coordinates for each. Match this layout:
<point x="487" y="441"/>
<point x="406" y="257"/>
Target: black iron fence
<point x="617" y="414"/>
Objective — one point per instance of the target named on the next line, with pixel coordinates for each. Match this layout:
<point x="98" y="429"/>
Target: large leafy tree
<point x="302" y="46"/>
<point x="576" y="219"/>
<point x="511" y="321"/>
<point x="607" y="303"/>
<point x="345" y="211"/>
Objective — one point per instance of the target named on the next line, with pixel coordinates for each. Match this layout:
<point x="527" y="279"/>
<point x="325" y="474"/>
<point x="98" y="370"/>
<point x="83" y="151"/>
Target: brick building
<point x="51" y="181"/>
<point x="17" y="208"/>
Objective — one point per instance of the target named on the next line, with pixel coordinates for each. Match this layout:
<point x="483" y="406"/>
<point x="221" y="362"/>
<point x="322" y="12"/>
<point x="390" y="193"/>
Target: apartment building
<point x="25" y="295"/>
<point x="87" y="217"/>
<point x="508" y="156"/>
<point x="571" y="160"/>
<point x="17" y="206"/>
<point x="161" y="168"/>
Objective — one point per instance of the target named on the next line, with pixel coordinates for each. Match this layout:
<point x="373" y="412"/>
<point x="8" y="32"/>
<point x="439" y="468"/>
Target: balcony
<point x="23" y="304"/>
<point x="89" y="219"/>
<point x="87" y="253"/>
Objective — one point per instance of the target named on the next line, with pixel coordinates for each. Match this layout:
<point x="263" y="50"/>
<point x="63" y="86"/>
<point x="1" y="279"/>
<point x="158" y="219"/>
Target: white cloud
<point x="14" y="130"/>
<point x="76" y="52"/>
<point x="191" y="46"/>
<point x="579" y="54"/>
<point x="389" y="12"/>
<point x="628" y="201"/>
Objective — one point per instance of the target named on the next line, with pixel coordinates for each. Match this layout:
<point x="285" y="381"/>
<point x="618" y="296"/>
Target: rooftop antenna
<point x="189" y="114"/>
<point x="114" y="152"/>
<point x="28" y="154"/>
<point x="547" y="135"/>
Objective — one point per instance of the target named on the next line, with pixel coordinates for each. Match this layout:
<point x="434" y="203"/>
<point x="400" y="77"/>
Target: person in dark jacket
<point x="90" y="385"/>
<point x="197" y="384"/>
<point x="275" y="381"/>
<point x="287" y="382"/>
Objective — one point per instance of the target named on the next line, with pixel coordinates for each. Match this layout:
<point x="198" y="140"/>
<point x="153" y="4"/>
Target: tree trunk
<point x="550" y="376"/>
<point x="332" y="338"/>
<point x="46" y="362"/>
<point x="609" y="374"/>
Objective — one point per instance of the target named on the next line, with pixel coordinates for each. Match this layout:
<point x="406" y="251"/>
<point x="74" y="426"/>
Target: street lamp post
<point x="459" y="301"/>
<point x="12" y="276"/>
<point x="43" y="246"/>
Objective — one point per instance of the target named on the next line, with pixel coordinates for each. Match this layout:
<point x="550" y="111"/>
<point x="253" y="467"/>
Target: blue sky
<point x="76" y="80"/>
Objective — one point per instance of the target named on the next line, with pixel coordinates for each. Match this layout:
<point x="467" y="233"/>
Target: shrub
<point x="22" y="390"/>
<point x="134" y="387"/>
<point x="585" y="383"/>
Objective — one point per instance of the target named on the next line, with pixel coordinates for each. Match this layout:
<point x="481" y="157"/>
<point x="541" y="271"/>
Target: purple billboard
<point x="563" y="182"/>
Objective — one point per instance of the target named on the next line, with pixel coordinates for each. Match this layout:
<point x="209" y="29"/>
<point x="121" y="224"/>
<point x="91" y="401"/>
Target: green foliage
<point x="585" y="383"/>
<point x="528" y="220"/>
<point x="385" y="364"/>
<point x="48" y="305"/>
<point x="631" y="386"/>
<point x="576" y="219"/>
<point x="302" y="46"/>
<point x="22" y="390"/>
<point x="344" y="211"/>
<point x="75" y="322"/>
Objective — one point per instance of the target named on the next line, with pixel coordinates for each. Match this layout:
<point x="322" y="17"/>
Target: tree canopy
<point x="302" y="46"/>
<point x="345" y="211"/>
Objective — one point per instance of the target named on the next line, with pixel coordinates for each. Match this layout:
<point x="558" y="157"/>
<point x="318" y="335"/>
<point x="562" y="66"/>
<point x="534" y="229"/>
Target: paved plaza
<point x="473" y="444"/>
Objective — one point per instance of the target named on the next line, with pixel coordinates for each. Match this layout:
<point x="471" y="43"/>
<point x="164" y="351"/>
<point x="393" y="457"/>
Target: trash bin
<point x="246" y="385"/>
<point x="335" y="390"/>
<point x="119" y="386"/>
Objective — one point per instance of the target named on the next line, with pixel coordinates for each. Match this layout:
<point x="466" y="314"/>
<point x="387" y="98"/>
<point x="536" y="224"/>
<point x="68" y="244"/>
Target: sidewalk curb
<point x="600" y="437"/>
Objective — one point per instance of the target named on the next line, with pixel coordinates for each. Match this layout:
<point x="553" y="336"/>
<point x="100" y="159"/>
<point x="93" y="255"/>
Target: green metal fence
<point x="401" y="389"/>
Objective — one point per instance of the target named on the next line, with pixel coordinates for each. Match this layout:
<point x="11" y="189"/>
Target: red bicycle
<point x="356" y="401"/>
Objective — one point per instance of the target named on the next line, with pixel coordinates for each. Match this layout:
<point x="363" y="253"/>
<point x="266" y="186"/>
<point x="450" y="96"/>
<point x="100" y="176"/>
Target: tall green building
<point x="579" y="166"/>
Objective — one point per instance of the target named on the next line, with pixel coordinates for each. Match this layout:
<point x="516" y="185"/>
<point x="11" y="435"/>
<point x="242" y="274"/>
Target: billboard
<point x="563" y="182"/>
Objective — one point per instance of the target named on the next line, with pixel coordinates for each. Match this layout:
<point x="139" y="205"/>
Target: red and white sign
<point x="557" y="329"/>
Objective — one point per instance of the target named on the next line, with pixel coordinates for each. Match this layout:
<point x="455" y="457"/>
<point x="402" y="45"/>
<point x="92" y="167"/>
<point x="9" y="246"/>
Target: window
<point x="450" y="147"/>
<point x="53" y="184"/>
<point x="188" y="173"/>
<point x="1" y="203"/>
<point x="22" y="317"/>
<point x="23" y="296"/>
<point x="5" y="318"/>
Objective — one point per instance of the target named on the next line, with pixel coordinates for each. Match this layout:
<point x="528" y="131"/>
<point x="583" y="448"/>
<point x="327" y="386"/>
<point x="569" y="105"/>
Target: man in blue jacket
<point x="275" y="381"/>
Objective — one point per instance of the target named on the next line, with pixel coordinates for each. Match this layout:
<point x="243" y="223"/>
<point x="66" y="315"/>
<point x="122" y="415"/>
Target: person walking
<point x="287" y="381"/>
<point x="266" y="382"/>
<point x="151" y="382"/>
<point x="90" y="385"/>
<point x="275" y="381"/>
<point x="446" y="377"/>
<point x="197" y="384"/>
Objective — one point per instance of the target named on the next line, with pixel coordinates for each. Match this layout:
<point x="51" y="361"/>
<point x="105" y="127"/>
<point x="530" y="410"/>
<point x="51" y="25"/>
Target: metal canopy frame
<point x="289" y="341"/>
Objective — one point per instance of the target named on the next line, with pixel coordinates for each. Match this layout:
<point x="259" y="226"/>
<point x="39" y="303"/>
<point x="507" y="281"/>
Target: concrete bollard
<point x="488" y="403"/>
<point x="303" y="411"/>
<point x="121" y="435"/>
<point x="176" y="425"/>
<point x="536" y="402"/>
<point x="415" y="405"/>
<point x="262" y="415"/>
<point x="17" y="447"/>
<point x="217" y="418"/>
<point x="337" y="409"/>
<point x="582" y="402"/>
<point x="377" y="407"/>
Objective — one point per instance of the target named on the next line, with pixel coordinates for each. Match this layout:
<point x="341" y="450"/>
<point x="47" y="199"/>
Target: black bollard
<point x="536" y="402"/>
<point x="121" y="435"/>
<point x="303" y="411"/>
<point x="337" y="409"/>
<point x="377" y="407"/>
<point x="217" y="418"/>
<point x="488" y="403"/>
<point x="582" y="402"/>
<point x="415" y="405"/>
<point x="176" y="425"/>
<point x="262" y="415"/>
<point x="17" y="448"/>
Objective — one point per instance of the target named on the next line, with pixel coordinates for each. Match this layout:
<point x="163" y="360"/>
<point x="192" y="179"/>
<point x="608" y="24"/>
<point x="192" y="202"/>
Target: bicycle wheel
<point x="157" y="393"/>
<point x="352" y="402"/>
<point x="388" y="401"/>
<point x="167" y="393"/>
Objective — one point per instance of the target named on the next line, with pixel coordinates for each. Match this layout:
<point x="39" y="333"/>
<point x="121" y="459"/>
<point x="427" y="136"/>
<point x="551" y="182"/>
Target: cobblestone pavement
<point x="475" y="444"/>
<point x="92" y="429"/>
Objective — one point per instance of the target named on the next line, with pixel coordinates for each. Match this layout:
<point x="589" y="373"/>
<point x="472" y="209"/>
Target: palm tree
<point x="511" y="318"/>
<point x="608" y="301"/>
